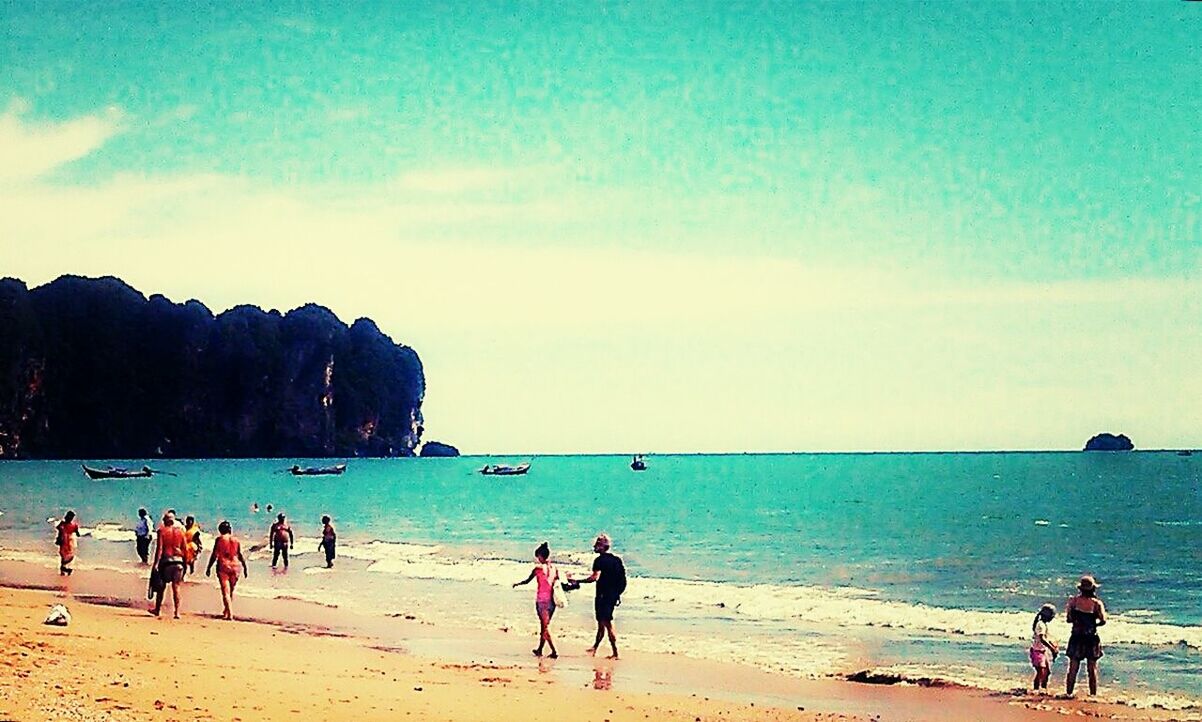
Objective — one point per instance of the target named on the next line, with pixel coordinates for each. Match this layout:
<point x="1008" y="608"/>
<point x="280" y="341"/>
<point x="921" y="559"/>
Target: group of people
<point x="193" y="542"/>
<point x="1085" y="612"/>
<point x="176" y="548"/>
<point x="609" y="574"/>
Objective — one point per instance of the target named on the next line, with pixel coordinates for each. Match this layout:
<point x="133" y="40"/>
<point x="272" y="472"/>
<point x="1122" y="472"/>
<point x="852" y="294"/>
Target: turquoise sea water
<point x="926" y="564"/>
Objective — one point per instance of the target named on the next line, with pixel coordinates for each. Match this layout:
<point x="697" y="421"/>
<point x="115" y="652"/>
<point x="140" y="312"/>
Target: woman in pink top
<point x="544" y="598"/>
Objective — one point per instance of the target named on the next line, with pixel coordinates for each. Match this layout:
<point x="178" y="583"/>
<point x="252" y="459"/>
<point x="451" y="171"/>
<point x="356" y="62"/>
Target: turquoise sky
<point x="647" y="225"/>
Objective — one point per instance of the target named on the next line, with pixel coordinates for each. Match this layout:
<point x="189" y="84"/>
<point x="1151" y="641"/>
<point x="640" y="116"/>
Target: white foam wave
<point x="115" y="533"/>
<point x="803" y="606"/>
<point x="421" y="561"/>
<point x="108" y="532"/>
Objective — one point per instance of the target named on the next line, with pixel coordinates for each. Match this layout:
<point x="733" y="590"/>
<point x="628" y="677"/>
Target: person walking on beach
<point x="610" y="576"/>
<point x="328" y="541"/>
<point x="67" y="532"/>
<point x="544" y="596"/>
<point x="280" y="538"/>
<point x="169" y="549"/>
<point x="142" y="535"/>
<point x="194" y="545"/>
<point x="1086" y="613"/>
<point x="1042" y="646"/>
<point x="227" y="555"/>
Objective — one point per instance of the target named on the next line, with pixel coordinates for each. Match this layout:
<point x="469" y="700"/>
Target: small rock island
<point x="1109" y="442"/>
<point x="438" y="449"/>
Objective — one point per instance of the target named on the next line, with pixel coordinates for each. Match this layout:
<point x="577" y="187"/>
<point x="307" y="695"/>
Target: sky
<point x="653" y="226"/>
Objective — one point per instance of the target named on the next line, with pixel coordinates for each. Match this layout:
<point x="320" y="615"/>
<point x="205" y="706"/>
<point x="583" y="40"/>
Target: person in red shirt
<point x="68" y="532"/>
<point x="227" y="555"/>
<point x="169" y="547"/>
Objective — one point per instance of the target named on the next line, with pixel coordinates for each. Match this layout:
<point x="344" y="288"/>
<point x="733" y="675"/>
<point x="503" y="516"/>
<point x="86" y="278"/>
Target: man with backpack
<point x="610" y="577"/>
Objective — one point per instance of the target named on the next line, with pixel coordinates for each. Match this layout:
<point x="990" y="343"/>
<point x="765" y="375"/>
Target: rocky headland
<point x="92" y="368"/>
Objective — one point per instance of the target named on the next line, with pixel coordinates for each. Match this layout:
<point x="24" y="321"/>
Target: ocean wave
<point x="108" y="532"/>
<point x="804" y="606"/>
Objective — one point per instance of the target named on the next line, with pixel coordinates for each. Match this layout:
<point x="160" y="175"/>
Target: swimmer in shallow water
<point x="281" y="540"/>
<point x="328" y="541"/>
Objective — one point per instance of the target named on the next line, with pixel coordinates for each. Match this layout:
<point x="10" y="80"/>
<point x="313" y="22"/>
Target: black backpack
<point x="620" y="587"/>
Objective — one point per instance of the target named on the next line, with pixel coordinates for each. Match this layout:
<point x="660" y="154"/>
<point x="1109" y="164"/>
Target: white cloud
<point x="664" y="349"/>
<point x="30" y="150"/>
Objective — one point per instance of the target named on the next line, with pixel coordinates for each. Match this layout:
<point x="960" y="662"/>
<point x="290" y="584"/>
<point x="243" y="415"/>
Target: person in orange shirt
<point x="227" y="554"/>
<point x="169" y="549"/>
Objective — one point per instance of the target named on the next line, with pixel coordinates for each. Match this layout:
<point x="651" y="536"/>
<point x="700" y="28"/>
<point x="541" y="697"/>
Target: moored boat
<point x="637" y="463"/>
<point x="297" y="470"/>
<point x="502" y="470"/>
<point x="117" y="472"/>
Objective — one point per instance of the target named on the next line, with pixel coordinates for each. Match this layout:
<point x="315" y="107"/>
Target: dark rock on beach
<point x="91" y="368"/>
<point x="437" y="448"/>
<point x="1109" y="442"/>
<point x="867" y="676"/>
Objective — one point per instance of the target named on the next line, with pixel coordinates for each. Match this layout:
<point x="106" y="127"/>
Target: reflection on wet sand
<point x="603" y="678"/>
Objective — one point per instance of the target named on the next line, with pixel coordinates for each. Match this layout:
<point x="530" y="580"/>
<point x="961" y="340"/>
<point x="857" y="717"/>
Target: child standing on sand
<point x="1043" y="649"/>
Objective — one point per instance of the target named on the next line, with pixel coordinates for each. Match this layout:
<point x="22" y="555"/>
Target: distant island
<point x="437" y="448"/>
<point x="93" y="369"/>
<point x="1109" y="442"/>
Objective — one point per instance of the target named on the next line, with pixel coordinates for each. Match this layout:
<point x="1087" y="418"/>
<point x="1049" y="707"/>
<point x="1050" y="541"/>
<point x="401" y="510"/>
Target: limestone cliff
<point x="91" y="368"/>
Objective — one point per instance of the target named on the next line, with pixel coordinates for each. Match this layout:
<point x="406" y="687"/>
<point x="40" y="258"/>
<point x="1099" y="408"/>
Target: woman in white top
<point x="1043" y="649"/>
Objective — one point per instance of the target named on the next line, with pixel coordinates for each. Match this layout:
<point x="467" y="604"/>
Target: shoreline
<point x="685" y="685"/>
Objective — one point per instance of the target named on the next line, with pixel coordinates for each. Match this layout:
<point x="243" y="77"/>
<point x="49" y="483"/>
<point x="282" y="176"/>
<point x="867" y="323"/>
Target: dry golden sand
<point x="119" y="663"/>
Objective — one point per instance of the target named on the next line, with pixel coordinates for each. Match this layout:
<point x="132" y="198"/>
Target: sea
<point x="920" y="565"/>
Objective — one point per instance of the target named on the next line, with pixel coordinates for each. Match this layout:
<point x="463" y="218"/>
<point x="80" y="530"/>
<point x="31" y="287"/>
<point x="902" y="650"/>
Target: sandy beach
<point x="287" y="660"/>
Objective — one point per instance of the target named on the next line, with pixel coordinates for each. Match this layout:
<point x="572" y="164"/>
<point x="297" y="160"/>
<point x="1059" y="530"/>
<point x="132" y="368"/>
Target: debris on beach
<point x="59" y="616"/>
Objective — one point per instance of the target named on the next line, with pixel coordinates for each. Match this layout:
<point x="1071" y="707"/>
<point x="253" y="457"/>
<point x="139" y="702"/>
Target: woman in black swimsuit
<point x="1086" y="613"/>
